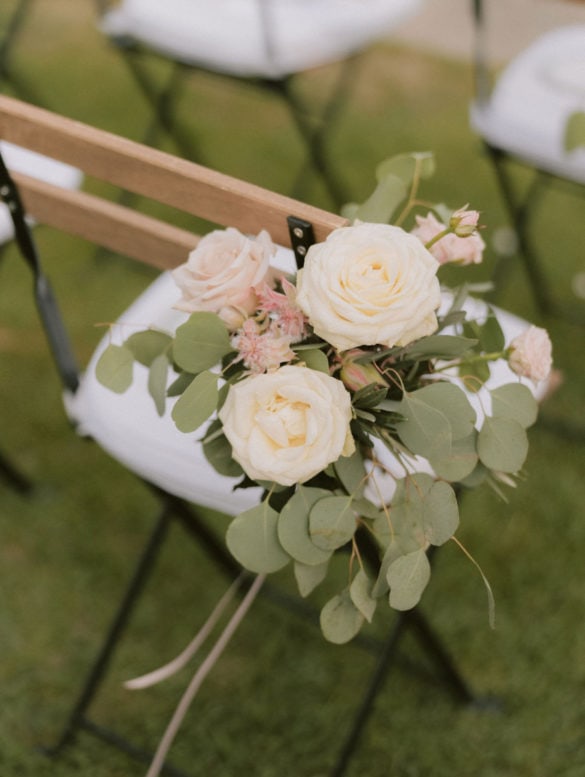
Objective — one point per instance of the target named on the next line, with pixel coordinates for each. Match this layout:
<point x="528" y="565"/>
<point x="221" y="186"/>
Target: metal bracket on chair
<point x="302" y="238"/>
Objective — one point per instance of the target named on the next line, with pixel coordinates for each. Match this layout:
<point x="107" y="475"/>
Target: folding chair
<point x="128" y="428"/>
<point x="264" y="44"/>
<point x="523" y="119"/>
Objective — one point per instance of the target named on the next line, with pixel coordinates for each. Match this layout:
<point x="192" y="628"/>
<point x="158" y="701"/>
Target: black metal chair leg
<point x="95" y="676"/>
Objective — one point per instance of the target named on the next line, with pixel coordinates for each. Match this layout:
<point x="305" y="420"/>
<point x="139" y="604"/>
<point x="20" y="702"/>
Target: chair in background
<point x="265" y="44"/>
<point x="128" y="429"/>
<point x="523" y="119"/>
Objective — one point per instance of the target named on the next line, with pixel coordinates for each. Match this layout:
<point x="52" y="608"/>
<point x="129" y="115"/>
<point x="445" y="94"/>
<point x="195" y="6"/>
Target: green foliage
<point x="293" y="527"/>
<point x="147" y="345"/>
<point x="340" y="619"/>
<point x="408" y="577"/>
<point x="575" y="131"/>
<point x="332" y="522"/>
<point x="253" y="540"/>
<point x="115" y="368"/>
<point x="502" y="444"/>
<point x="196" y="403"/>
<point x="157" y="381"/>
<point x="201" y="342"/>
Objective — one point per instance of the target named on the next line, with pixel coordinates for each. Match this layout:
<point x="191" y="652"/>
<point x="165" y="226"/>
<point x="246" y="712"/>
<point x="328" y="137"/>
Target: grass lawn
<point x="281" y="697"/>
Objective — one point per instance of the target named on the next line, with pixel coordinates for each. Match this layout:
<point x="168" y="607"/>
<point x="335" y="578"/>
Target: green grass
<point x="281" y="698"/>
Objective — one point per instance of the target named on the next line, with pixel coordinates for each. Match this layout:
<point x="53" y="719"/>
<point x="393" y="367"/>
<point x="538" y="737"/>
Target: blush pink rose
<point x="530" y="354"/>
<point x="450" y="248"/>
<point x="222" y="273"/>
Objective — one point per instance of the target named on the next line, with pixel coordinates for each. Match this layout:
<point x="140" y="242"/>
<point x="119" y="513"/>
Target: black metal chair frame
<point x="520" y="206"/>
<point x="177" y="511"/>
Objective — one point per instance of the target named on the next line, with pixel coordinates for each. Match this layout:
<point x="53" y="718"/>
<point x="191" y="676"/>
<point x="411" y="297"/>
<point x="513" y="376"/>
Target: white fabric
<point x="228" y="35"/>
<point x="534" y="96"/>
<point x="22" y="160"/>
<point x="128" y="427"/>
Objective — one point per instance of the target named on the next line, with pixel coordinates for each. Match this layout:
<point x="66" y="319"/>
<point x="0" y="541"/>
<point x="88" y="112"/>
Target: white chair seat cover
<point x="21" y="160"/>
<point x="128" y="427"/>
<point x="227" y="36"/>
<point x="527" y="112"/>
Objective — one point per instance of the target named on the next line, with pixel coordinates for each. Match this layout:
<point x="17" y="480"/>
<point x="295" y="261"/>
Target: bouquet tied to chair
<point x="356" y="393"/>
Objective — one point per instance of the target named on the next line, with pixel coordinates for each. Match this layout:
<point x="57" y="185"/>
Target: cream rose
<point x="222" y="273"/>
<point x="288" y="425"/>
<point x="531" y="354"/>
<point x="369" y="284"/>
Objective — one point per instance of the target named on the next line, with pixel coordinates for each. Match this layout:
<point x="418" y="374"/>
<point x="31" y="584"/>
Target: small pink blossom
<point x="464" y="222"/>
<point x="531" y="354"/>
<point x="356" y="376"/>
<point x="283" y="309"/>
<point x="262" y="350"/>
<point x="449" y="248"/>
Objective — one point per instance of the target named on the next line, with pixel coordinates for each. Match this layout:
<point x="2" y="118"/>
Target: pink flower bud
<point x="464" y="222"/>
<point x="531" y="354"/>
<point x="356" y="376"/>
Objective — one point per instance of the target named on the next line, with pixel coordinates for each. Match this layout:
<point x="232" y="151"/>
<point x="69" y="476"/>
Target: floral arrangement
<point x="354" y="393"/>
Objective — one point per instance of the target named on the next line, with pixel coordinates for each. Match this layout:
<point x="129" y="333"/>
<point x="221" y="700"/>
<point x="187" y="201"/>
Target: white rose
<point x="370" y="284"/>
<point x="531" y="354"/>
<point x="222" y="272"/>
<point x="288" y="425"/>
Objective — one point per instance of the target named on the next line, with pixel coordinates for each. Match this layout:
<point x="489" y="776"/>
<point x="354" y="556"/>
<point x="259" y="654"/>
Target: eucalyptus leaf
<point x="197" y="402"/>
<point x="426" y="430"/>
<point x="157" y="381"/>
<point x="393" y="551"/>
<point x="502" y="444"/>
<point x="441" y="513"/>
<point x="404" y="166"/>
<point x="351" y="472"/>
<point x="309" y="576"/>
<point x="461" y="462"/>
<point x="440" y="347"/>
<point x="340" y="619"/>
<point x="450" y="400"/>
<point x="360" y="592"/>
<point x="180" y="384"/>
<point x="315" y="359"/>
<point x="147" y="345"/>
<point x="218" y="451"/>
<point x="293" y="527"/>
<point x="332" y="522"/>
<point x="408" y="577"/>
<point x="384" y="200"/>
<point x="115" y="367"/>
<point x="201" y="342"/>
<point x="253" y="541"/>
<point x="491" y="336"/>
<point x="514" y="400"/>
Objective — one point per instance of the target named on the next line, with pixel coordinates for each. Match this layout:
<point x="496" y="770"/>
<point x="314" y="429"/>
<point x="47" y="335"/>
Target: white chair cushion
<point x="227" y="35"/>
<point x="21" y="160"/>
<point x="128" y="427"/>
<point x="534" y="96"/>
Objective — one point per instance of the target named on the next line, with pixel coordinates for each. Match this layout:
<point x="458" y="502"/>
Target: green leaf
<point x="451" y="401"/>
<point x="332" y="522"/>
<point x="441" y="513"/>
<point x="514" y="400"/>
<point x="575" y="131"/>
<point x="360" y="592"/>
<point x="366" y="508"/>
<point x="404" y="166"/>
<point x="393" y="551"/>
<point x="351" y="472"/>
<point x="180" y="384"/>
<point x="492" y="337"/>
<point x="408" y="577"/>
<point x="146" y="346"/>
<point x="201" y="342"/>
<point x="384" y="200"/>
<point x="196" y="403"/>
<point x="115" y="367"/>
<point x="293" y="527"/>
<point x="440" y="347"/>
<point x="474" y="374"/>
<point x="157" y="381"/>
<point x="461" y="462"/>
<point x="218" y="451"/>
<point x="315" y="359"/>
<point x="252" y="540"/>
<point x="502" y="444"/>
<point x="425" y="430"/>
<point x="340" y="619"/>
<point x="308" y="576"/>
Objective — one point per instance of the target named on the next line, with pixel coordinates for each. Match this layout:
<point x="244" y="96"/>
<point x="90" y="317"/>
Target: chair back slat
<point x="105" y="223"/>
<point x="192" y="188"/>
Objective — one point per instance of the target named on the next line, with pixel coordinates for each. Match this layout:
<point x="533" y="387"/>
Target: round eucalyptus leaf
<point x="147" y="345"/>
<point x="514" y="400"/>
<point x="461" y="462"/>
<point x="218" y="451"/>
<point x="360" y="592"/>
<point x="315" y="359"/>
<point x="157" y="381"/>
<point x="332" y="522"/>
<point x="384" y="200"/>
<point x="201" y="342"/>
<point x="293" y="527"/>
<point x="426" y="430"/>
<point x="115" y="367"/>
<point x="408" y="577"/>
<point x="309" y="576"/>
<point x="340" y="619"/>
<point x="252" y="540"/>
<point x="502" y="444"/>
<point x="451" y="401"/>
<point x="441" y="513"/>
<point x="351" y="472"/>
<point x="196" y="403"/>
